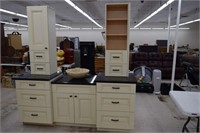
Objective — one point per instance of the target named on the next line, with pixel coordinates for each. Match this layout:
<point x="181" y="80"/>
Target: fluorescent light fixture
<point x="13" y="13"/>
<point x="155" y="12"/>
<point x="134" y="28"/>
<point x="63" y="26"/>
<point x="14" y="24"/>
<point x="25" y="16"/>
<point x="97" y="28"/>
<point x="189" y="22"/>
<point x="145" y="28"/>
<point x="157" y="28"/>
<point x="82" y="12"/>
<point x="86" y="28"/>
<point x="75" y="28"/>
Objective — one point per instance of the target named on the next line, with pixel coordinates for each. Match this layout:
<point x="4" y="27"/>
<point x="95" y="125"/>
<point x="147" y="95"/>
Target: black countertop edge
<point x="29" y="76"/>
<point x="65" y="79"/>
<point x="112" y="79"/>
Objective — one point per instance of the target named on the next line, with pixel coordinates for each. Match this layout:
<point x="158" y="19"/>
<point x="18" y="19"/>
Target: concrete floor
<point x="153" y="113"/>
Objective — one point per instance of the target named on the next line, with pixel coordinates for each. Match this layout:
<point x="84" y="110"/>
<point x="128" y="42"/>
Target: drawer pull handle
<point x="116" y="70"/>
<point x="33" y="98"/>
<point x="115" y="87"/>
<point x="116" y="57"/>
<point x="39" y="68"/>
<point x="115" y="120"/>
<point x="115" y="102"/>
<point x="75" y="96"/>
<point x="70" y="96"/>
<point x="32" y="84"/>
<point x="34" y="114"/>
<point x="39" y="56"/>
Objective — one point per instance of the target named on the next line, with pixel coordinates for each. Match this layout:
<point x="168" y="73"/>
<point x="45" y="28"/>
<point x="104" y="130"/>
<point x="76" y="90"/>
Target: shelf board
<point x="116" y="35"/>
<point x="117" y="19"/>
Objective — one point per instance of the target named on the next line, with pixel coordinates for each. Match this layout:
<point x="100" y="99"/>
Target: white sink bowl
<point x="77" y="72"/>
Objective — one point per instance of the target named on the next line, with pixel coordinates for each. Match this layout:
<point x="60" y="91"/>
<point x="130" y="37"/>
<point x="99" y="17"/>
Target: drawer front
<point x="40" y="68"/>
<point x="116" y="70"/>
<point x="117" y="56"/>
<point x="39" y="56"/>
<point x="115" y="120"/>
<point x="113" y="102"/>
<point x="31" y="84"/>
<point x="35" y="115"/>
<point x="33" y="98"/>
<point x="79" y="89"/>
<point x="116" y="88"/>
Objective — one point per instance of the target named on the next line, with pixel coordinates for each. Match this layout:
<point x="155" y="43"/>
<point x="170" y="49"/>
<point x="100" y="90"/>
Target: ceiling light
<point x="14" y="24"/>
<point x="145" y="28"/>
<point x="82" y="12"/>
<point x="189" y="22"/>
<point x="155" y="12"/>
<point x="63" y="26"/>
<point x="157" y="28"/>
<point x="25" y="16"/>
<point x="86" y="28"/>
<point x="13" y="13"/>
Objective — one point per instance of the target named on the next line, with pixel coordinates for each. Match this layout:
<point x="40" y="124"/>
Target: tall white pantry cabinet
<point x="117" y="39"/>
<point x="42" y="40"/>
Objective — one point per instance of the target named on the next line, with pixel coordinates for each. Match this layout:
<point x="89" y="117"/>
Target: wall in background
<point x="139" y="37"/>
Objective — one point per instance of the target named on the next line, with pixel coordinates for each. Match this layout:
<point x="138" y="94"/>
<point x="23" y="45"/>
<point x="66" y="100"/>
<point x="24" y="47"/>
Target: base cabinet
<point x="115" y="106"/>
<point x="72" y="107"/>
<point x="34" y="101"/>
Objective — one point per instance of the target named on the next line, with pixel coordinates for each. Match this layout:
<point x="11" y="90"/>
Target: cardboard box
<point x="15" y="41"/>
<point x="7" y="82"/>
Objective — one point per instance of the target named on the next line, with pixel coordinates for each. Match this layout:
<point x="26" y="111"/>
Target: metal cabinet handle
<point x="45" y="48"/>
<point x="116" y="57"/>
<point x="40" y="68"/>
<point x="39" y="56"/>
<point x="32" y="84"/>
<point x="75" y="96"/>
<point x="115" y="120"/>
<point x="115" y="87"/>
<point x="70" y="96"/>
<point x="115" y="102"/>
<point x="115" y="70"/>
<point x="34" y="114"/>
<point x="32" y="97"/>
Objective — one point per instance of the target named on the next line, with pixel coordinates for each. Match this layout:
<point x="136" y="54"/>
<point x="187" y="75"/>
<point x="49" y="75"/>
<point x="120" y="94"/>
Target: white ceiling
<point x="67" y="15"/>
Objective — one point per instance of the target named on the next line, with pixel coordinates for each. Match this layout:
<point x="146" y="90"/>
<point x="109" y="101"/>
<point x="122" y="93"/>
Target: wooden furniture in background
<point x="117" y="39"/>
<point x="99" y="64"/>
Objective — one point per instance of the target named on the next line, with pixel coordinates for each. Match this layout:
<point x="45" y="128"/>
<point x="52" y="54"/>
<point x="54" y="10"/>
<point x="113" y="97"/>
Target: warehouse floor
<point x="153" y="113"/>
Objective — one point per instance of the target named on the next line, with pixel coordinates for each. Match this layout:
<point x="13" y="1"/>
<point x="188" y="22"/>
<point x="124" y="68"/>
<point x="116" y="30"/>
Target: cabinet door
<point x="38" y="27"/>
<point x="63" y="107"/>
<point x="85" y="109"/>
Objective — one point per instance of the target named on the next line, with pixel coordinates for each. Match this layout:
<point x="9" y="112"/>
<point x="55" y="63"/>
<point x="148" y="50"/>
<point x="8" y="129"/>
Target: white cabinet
<point x="74" y="103"/>
<point x="115" y="106"/>
<point x="42" y="39"/>
<point x="117" y="39"/>
<point x="34" y="101"/>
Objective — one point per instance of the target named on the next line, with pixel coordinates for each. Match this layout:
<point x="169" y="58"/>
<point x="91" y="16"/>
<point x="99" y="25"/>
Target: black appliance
<point x="87" y="53"/>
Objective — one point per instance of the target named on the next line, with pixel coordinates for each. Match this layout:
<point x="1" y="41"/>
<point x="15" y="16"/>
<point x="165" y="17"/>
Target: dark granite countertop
<point x="111" y="79"/>
<point x="65" y="79"/>
<point x="29" y="76"/>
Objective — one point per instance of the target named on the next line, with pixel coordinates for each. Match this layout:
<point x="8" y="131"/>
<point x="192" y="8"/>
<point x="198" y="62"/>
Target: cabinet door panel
<point x="38" y="31"/>
<point x="63" y="108"/>
<point x="85" y="109"/>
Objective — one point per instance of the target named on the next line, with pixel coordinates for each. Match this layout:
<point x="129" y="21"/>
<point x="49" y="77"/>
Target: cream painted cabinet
<point x="117" y="39"/>
<point x="115" y="106"/>
<point x="42" y="39"/>
<point x="34" y="101"/>
<point x="74" y="104"/>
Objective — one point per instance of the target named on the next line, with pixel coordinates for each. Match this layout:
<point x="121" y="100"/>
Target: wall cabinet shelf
<point x="117" y="37"/>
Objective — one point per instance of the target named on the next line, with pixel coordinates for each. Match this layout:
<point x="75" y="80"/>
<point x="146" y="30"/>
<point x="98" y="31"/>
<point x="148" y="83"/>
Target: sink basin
<point x="77" y="72"/>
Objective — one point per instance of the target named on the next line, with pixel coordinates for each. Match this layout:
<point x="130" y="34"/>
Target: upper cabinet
<point x="117" y="26"/>
<point x="41" y="27"/>
<point x="42" y="39"/>
<point x="117" y="39"/>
